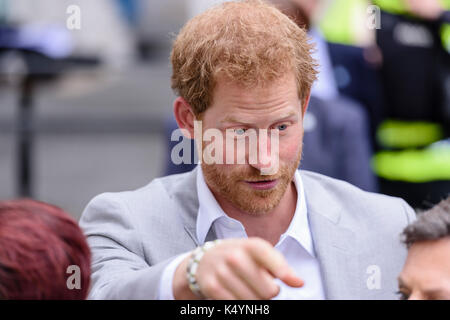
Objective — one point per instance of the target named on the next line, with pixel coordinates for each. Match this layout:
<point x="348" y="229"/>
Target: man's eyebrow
<point x="401" y="283"/>
<point x="232" y="119"/>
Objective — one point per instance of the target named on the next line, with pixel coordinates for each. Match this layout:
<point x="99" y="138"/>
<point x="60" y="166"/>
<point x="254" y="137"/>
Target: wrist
<point x="180" y="285"/>
<point x="192" y="267"/>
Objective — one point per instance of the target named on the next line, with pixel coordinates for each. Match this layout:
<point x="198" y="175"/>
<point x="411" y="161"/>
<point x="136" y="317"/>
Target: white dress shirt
<point x="295" y="244"/>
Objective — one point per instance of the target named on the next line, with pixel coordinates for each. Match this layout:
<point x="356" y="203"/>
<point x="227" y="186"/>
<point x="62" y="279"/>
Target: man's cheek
<point x="289" y="151"/>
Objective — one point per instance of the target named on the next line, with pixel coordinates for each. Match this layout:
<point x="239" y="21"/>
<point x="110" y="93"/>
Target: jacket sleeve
<point x="119" y="269"/>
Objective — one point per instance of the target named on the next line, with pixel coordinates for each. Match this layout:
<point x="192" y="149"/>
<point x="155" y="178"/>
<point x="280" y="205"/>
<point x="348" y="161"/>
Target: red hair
<point x="38" y="242"/>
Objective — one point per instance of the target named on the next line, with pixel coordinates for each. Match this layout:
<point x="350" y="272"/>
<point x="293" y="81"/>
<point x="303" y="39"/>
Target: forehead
<point x="233" y="98"/>
<point x="428" y="260"/>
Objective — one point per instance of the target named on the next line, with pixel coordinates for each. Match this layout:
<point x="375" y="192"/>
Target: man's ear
<point x="184" y="115"/>
<point x="305" y="104"/>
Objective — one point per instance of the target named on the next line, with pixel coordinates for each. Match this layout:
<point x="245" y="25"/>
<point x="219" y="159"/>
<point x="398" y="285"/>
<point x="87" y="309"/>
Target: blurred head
<point x="38" y="242"/>
<point x="426" y="273"/>
<point x="239" y="68"/>
<point x="303" y="12"/>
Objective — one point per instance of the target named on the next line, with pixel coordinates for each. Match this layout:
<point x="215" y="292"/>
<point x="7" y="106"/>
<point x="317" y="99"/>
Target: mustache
<point x="254" y="175"/>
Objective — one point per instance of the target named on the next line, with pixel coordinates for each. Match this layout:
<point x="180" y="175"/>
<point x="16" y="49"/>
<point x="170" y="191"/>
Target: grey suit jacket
<point x="134" y="235"/>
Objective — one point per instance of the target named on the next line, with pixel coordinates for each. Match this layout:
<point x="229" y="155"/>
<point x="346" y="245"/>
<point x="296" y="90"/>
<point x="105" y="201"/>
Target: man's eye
<point x="402" y="295"/>
<point x="282" y="127"/>
<point x="239" y="132"/>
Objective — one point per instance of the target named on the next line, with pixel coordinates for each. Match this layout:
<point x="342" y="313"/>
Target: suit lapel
<point x="335" y="246"/>
<point x="186" y="192"/>
<point x="183" y="194"/>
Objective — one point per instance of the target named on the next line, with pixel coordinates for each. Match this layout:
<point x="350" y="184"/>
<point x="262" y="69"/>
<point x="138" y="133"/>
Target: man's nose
<point x="263" y="161"/>
<point x="263" y="157"/>
<point x="416" y="295"/>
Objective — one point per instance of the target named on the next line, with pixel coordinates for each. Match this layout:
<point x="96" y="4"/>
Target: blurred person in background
<point x="426" y="273"/>
<point x="344" y="101"/>
<point x="39" y="244"/>
<point x="414" y="157"/>
<point x="347" y="68"/>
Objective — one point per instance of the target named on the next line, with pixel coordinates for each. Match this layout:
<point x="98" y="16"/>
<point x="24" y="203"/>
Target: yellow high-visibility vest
<point x="344" y="20"/>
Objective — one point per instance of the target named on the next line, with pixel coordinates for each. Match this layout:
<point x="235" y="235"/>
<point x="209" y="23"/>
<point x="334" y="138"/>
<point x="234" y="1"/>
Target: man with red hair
<point x="235" y="229"/>
<point x="43" y="253"/>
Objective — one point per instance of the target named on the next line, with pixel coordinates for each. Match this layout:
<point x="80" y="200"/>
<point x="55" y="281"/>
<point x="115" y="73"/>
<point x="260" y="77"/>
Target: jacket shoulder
<point x="144" y="221"/>
<point x="162" y="197"/>
<point x="356" y="206"/>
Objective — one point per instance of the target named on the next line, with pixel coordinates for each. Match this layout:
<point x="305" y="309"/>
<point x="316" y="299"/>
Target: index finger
<point x="272" y="260"/>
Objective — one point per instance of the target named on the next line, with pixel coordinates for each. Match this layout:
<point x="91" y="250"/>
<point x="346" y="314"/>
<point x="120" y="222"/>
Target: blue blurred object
<point x="50" y="40"/>
<point x="129" y="10"/>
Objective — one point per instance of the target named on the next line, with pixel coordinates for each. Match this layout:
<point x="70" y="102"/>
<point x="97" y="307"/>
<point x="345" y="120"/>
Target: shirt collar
<point x="299" y="227"/>
<point x="209" y="211"/>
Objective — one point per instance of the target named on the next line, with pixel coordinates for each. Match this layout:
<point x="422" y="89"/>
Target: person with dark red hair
<point x="43" y="253"/>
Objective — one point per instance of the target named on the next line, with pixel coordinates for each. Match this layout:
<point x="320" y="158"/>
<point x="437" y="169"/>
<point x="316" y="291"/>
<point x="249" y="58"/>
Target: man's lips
<point x="262" y="184"/>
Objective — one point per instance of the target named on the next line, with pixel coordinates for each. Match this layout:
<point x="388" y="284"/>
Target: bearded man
<point x="239" y="68"/>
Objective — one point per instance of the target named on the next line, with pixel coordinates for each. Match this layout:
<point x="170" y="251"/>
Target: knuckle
<point x="222" y="273"/>
<point x="267" y="295"/>
<point x="258" y="243"/>
<point x="211" y="286"/>
<point x="234" y="258"/>
<point x="273" y="291"/>
<point x="252" y="243"/>
<point x="259" y="246"/>
<point x="270" y="291"/>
